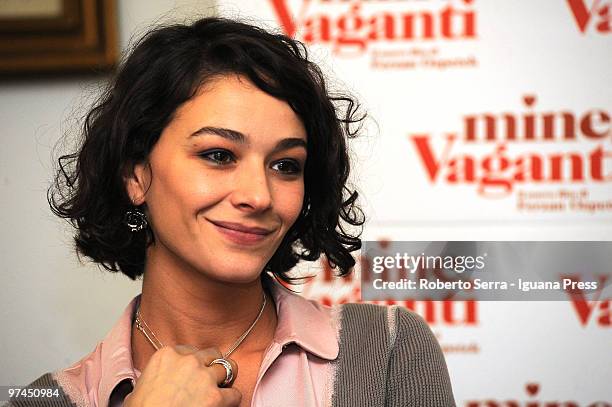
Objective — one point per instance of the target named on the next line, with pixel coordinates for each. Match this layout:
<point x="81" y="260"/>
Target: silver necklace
<point x="142" y="326"/>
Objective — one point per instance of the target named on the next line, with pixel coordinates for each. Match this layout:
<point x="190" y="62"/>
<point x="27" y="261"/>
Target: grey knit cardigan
<point x="388" y="357"/>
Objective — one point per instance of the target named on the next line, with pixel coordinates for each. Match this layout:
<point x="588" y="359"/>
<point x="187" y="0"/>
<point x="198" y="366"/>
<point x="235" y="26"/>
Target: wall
<point x="54" y="310"/>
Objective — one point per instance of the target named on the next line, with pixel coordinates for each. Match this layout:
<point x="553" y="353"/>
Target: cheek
<point x="178" y="190"/>
<point x="289" y="201"/>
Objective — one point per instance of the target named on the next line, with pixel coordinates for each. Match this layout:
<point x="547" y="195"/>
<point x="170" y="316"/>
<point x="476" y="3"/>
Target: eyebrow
<point x="241" y="138"/>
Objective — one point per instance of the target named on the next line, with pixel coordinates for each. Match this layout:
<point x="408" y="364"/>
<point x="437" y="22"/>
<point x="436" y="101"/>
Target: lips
<point x="242" y="235"/>
<point x="256" y="230"/>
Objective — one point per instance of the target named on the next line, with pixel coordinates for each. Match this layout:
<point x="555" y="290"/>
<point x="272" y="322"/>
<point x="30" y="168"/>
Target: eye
<point x="218" y="156"/>
<point x="288" y="167"/>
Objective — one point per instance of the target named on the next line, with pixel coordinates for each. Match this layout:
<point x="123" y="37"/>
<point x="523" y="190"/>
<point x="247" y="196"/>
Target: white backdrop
<point x="538" y="75"/>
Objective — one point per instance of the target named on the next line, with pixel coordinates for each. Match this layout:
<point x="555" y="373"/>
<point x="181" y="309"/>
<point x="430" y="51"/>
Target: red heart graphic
<point x="532" y="388"/>
<point x="384" y="243"/>
<point x="529" y="99"/>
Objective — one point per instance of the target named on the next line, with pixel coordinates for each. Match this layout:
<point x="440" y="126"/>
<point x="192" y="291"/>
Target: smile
<point x="231" y="232"/>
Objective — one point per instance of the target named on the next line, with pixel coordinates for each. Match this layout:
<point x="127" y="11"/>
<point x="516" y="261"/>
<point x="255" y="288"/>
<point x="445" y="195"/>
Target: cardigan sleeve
<point x="417" y="373"/>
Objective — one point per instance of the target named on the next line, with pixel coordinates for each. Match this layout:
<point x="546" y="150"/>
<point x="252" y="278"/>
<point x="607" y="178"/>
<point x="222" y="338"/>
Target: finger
<point x="206" y="356"/>
<point x="185" y="349"/>
<point x="231" y="397"/>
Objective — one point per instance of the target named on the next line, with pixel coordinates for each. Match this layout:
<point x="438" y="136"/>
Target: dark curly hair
<point x="164" y="70"/>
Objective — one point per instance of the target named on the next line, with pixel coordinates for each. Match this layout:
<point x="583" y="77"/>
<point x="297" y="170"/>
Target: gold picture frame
<point x="38" y="36"/>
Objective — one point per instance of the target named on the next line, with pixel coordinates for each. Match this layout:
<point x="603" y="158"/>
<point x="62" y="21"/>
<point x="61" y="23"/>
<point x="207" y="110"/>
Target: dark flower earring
<point x="135" y="219"/>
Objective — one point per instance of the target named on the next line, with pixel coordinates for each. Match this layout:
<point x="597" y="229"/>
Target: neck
<point x="183" y="306"/>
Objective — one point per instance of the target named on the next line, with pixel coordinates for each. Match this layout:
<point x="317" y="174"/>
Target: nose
<point x="251" y="190"/>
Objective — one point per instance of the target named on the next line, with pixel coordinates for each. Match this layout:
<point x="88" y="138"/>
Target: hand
<point x="180" y="376"/>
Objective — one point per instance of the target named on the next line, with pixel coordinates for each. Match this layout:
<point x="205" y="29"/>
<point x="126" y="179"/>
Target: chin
<point x="238" y="275"/>
<point x="240" y="279"/>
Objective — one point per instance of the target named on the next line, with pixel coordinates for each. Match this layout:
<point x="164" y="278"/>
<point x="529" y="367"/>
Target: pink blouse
<point x="300" y="359"/>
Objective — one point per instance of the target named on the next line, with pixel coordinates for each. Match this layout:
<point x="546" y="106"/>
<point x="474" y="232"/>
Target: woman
<point x="215" y="162"/>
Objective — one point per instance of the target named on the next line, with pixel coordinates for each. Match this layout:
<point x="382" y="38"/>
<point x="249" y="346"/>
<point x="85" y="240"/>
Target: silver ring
<point x="229" y="373"/>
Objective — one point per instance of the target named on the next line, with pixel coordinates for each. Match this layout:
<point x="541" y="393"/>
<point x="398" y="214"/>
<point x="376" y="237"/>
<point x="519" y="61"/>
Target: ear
<point x="136" y="181"/>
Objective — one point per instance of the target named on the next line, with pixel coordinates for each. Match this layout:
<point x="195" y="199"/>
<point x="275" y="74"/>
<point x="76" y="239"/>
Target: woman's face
<point x="232" y="158"/>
